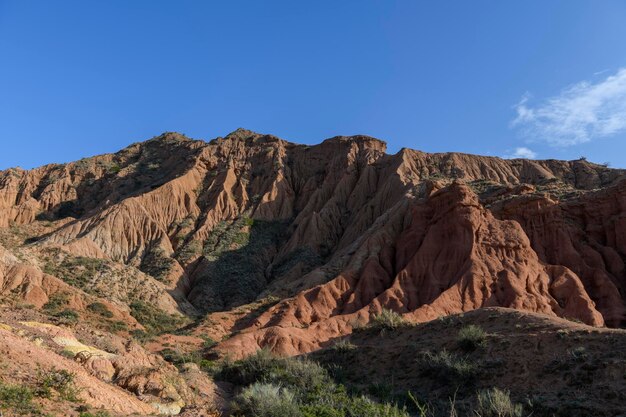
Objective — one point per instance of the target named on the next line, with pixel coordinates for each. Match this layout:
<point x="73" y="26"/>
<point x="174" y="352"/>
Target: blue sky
<point x="537" y="78"/>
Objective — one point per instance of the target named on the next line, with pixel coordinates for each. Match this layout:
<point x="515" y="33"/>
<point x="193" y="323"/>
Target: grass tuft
<point x="387" y="320"/>
<point x="497" y="403"/>
<point x="471" y="338"/>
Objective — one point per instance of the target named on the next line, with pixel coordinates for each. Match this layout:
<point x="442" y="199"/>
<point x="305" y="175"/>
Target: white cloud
<point x="522" y="152"/>
<point x="580" y="113"/>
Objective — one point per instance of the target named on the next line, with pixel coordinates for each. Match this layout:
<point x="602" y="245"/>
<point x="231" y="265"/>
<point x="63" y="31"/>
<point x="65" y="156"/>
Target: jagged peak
<point x="242" y="133"/>
<point x="366" y="141"/>
<point x="170" y="137"/>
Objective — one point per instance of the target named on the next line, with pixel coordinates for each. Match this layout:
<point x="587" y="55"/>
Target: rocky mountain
<point x="256" y="242"/>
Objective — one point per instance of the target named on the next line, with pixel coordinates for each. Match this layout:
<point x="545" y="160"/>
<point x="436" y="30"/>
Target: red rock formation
<point x="339" y="230"/>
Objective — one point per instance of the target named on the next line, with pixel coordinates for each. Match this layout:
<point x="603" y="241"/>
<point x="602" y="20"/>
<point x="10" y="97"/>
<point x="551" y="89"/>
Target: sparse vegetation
<point x="74" y="270"/>
<point x="344" y="345"/>
<point x="100" y="309"/>
<point x="59" y="381"/>
<point x="296" y="387"/>
<point x="578" y="354"/>
<point x="189" y="251"/>
<point x="236" y="257"/>
<point x="157" y="264"/>
<point x="208" y="342"/>
<point x="266" y="400"/>
<point x="225" y="237"/>
<point x="114" y="168"/>
<point x="305" y="257"/>
<point x="387" y="320"/>
<point x="17" y="398"/>
<point x="154" y="320"/>
<point x="116" y="326"/>
<point x="497" y="403"/>
<point x="67" y="316"/>
<point x="448" y="367"/>
<point x="100" y="413"/>
<point x="471" y="338"/>
<point x="179" y="358"/>
<point x="481" y="186"/>
<point x="56" y="307"/>
<point x="265" y="367"/>
<point x="55" y="302"/>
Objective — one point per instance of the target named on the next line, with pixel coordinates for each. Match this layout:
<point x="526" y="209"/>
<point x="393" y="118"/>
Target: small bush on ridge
<point x="59" y="380"/>
<point x="100" y="413"/>
<point x="344" y="345"/>
<point x="303" y="375"/>
<point x="266" y="400"/>
<point x="448" y="366"/>
<point x="67" y="316"/>
<point x="100" y="309"/>
<point x="497" y="403"/>
<point x="471" y="337"/>
<point x="296" y="387"/>
<point x="16" y="397"/>
<point x="387" y="320"/>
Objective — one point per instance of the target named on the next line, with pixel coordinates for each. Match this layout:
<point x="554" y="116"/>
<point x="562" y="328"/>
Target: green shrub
<point x="67" y="316"/>
<point x="101" y="309"/>
<point x="448" y="367"/>
<point x="67" y="354"/>
<point x="141" y="336"/>
<point x="157" y="263"/>
<point x="380" y="390"/>
<point x="208" y="366"/>
<point x="335" y="402"/>
<point x="343" y="346"/>
<point x="78" y="271"/>
<point x="497" y="403"/>
<point x="298" y="374"/>
<point x="364" y="407"/>
<point x="387" y="320"/>
<point x="114" y="168"/>
<point x="471" y="337"/>
<point x="100" y="413"/>
<point x="56" y="302"/>
<point x="208" y="342"/>
<point x="116" y="326"/>
<point x="321" y="410"/>
<point x="59" y="380"/>
<point x="178" y="358"/>
<point x="266" y="400"/>
<point x="153" y="319"/>
<point x="578" y="354"/>
<point x="16" y="397"/>
<point x="308" y="384"/>
<point x="189" y="251"/>
<point x="236" y="257"/>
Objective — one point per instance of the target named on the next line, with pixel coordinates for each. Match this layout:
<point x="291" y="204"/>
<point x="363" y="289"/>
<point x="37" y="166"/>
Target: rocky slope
<point x="266" y="243"/>
<point x="552" y="366"/>
<point x="343" y="227"/>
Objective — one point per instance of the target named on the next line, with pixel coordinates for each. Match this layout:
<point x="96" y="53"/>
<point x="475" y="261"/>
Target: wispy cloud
<point x="522" y="152"/>
<point x="580" y="113"/>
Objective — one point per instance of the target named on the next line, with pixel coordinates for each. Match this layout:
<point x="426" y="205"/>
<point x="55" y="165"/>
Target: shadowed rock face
<point x="338" y="231"/>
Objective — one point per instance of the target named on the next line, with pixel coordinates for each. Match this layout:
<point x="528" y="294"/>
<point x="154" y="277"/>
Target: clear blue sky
<point x="83" y="77"/>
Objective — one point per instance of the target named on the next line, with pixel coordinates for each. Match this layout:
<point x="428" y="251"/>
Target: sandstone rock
<point x="338" y="230"/>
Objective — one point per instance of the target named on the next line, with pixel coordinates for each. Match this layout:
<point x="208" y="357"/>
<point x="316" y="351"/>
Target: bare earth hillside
<point x="173" y="254"/>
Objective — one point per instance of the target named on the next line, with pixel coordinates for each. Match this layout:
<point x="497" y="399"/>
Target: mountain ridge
<point x="129" y="206"/>
<point x="251" y="242"/>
